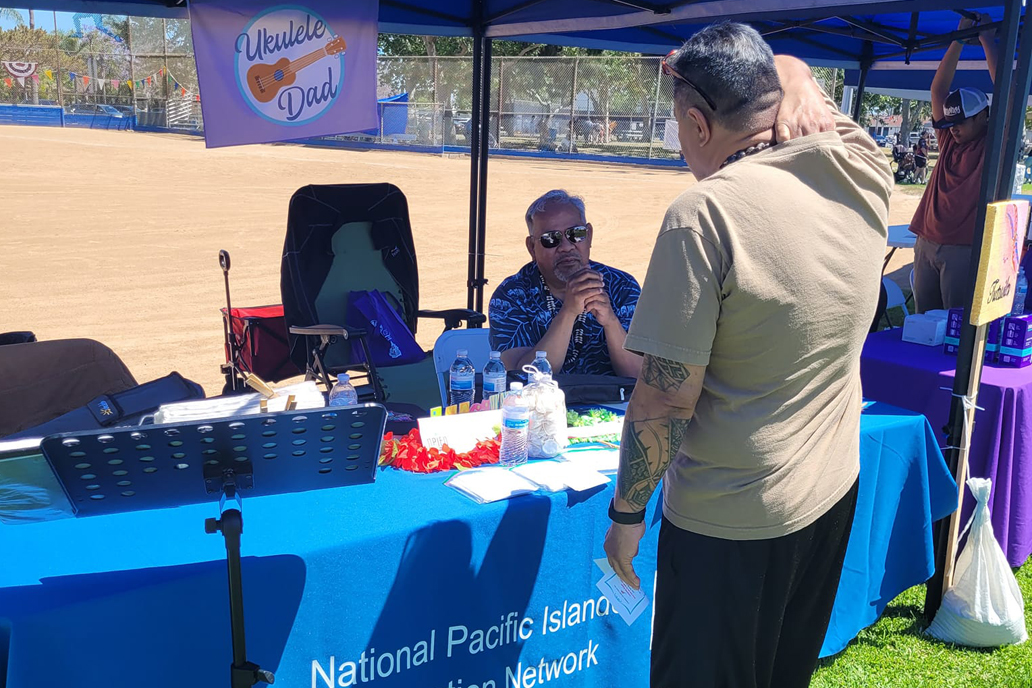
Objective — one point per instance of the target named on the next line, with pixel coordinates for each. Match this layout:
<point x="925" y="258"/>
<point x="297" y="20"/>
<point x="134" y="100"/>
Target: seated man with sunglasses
<point x="562" y="302"/>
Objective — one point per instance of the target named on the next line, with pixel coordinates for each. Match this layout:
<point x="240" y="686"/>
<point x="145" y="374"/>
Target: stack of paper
<point x="594" y="457"/>
<point x="306" y="394"/>
<point x="554" y="476"/>
<point x="494" y="483"/>
<point x="491" y="484"/>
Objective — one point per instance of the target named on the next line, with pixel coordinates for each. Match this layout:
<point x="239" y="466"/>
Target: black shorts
<point x="746" y="613"/>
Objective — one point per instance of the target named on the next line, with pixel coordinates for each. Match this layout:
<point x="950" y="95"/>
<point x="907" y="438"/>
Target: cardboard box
<point x="924" y="329"/>
<point x="1016" y="342"/>
<point x="954" y="323"/>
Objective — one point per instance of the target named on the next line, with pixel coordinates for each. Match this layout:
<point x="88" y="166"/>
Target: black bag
<point x="17" y="338"/>
<point x="119" y="410"/>
<point x="595" y="389"/>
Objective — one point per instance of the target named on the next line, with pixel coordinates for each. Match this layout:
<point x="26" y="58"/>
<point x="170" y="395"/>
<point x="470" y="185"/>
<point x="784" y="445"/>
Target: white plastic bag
<point x="984" y="607"/>
<point x="547" y="436"/>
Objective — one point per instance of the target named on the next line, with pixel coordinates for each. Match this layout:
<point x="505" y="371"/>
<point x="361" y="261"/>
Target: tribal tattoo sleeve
<point x="657" y="419"/>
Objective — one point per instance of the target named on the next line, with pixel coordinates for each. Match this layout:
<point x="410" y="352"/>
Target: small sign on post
<point x="1006" y="224"/>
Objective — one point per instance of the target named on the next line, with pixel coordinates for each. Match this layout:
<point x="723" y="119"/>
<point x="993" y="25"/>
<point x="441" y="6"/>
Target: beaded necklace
<point x="579" y="326"/>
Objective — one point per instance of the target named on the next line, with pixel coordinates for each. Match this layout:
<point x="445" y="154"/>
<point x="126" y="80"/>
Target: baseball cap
<point x="961" y="104"/>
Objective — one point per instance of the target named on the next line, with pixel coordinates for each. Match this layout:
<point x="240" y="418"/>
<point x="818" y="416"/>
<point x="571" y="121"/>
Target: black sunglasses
<point x="575" y="234"/>
<point x="670" y="71"/>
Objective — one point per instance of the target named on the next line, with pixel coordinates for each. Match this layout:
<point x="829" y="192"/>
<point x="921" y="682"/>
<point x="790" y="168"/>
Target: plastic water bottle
<point x="541" y="363"/>
<point x="1020" y="294"/>
<point x="343" y="394"/>
<point x="461" y="379"/>
<point x="494" y="375"/>
<point x="515" y="427"/>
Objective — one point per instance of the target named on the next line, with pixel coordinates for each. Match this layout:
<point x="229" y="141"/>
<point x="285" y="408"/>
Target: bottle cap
<point x="496" y="354"/>
<point x="541" y="354"/>
<point x="461" y="353"/>
<point x="515" y="386"/>
<point x="343" y="379"/>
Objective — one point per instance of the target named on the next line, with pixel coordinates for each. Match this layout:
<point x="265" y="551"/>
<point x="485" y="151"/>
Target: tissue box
<point x="1016" y="341"/>
<point x="924" y="329"/>
<point x="954" y="323"/>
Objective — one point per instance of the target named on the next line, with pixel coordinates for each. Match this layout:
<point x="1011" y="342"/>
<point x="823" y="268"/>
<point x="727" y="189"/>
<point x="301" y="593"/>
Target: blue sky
<point x="44" y="20"/>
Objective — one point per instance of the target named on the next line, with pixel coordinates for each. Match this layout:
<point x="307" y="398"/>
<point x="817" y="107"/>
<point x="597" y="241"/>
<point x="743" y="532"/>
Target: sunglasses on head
<point x="575" y="234"/>
<point x="670" y="71"/>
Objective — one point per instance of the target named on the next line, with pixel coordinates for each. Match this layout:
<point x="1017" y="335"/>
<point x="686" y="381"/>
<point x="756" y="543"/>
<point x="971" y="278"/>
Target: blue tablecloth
<point x="404" y="577"/>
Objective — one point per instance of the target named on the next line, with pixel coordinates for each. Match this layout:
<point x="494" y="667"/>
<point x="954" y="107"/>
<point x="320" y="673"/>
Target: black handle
<point x="224" y="259"/>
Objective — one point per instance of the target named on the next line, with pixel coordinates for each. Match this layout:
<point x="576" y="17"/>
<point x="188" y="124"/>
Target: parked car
<point x="881" y="140"/>
<point x="95" y="109"/>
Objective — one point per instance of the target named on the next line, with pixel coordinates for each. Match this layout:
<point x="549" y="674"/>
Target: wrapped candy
<point x="547" y="436"/>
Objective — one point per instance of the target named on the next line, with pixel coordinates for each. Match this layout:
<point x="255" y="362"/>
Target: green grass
<point x="896" y="652"/>
<point x="919" y="189"/>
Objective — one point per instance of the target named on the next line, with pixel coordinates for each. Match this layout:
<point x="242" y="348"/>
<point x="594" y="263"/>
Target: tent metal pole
<point x="865" y="66"/>
<point x="858" y="95"/>
<point x="972" y="339"/>
<point x="485" y="139"/>
<point x="474" y="165"/>
<point x="1012" y="145"/>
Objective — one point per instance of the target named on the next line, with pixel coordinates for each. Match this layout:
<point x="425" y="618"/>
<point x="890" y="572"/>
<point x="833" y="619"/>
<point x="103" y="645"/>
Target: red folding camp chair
<point x="256" y="341"/>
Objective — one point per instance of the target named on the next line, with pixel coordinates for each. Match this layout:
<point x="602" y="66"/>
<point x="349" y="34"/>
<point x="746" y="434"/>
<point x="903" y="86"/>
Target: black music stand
<point x="161" y="466"/>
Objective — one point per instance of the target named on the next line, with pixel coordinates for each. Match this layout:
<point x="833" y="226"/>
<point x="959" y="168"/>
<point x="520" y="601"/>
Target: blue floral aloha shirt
<point x="519" y="316"/>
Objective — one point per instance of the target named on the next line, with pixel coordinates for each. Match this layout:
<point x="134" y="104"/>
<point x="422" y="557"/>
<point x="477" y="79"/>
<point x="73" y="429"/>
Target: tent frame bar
<point x="972" y="339"/>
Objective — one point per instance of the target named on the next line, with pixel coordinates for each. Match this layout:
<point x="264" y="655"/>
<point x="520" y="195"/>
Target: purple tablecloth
<point x="911" y="376"/>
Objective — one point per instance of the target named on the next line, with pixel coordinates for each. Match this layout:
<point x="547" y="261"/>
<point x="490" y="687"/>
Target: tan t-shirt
<point x="768" y="273"/>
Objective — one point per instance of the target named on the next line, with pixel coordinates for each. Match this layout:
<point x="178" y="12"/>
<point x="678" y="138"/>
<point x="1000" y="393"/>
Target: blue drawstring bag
<point x="389" y="339"/>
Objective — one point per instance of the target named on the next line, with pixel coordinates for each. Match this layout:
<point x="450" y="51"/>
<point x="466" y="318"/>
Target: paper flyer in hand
<point x="628" y="602"/>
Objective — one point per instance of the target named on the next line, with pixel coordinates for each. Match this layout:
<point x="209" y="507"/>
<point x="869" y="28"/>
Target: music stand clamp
<point x="159" y="466"/>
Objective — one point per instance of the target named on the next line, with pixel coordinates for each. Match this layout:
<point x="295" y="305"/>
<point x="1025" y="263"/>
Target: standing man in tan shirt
<point x="944" y="221"/>
<point x="760" y="291"/>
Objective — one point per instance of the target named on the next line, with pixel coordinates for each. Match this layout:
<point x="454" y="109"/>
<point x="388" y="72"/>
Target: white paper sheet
<point x="602" y="459"/>
<point x="628" y="602"/>
<point x="555" y="476"/>
<point x="491" y="484"/>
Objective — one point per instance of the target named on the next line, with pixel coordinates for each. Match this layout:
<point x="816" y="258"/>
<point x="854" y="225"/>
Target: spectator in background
<point x="921" y="159"/>
<point x="945" y="219"/>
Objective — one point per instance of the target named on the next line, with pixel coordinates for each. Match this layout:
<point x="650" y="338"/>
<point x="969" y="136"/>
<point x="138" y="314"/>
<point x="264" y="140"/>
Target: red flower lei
<point x="409" y="454"/>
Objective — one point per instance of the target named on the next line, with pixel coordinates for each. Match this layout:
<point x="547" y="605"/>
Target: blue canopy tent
<point x="851" y="34"/>
<point x="392" y="113"/>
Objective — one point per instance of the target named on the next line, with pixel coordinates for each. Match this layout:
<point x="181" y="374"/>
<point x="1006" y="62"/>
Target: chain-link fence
<point x="144" y="67"/>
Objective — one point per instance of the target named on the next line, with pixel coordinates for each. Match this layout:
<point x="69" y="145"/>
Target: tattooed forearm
<point x="663" y="374"/>
<point x="647" y="448"/>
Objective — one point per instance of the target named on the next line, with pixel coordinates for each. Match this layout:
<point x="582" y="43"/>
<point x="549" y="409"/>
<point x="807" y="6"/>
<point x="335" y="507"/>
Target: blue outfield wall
<point x="54" y="116"/>
<point x="87" y="121"/>
<point x="32" y="115"/>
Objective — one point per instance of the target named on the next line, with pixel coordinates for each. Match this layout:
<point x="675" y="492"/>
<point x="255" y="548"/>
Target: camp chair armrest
<point x="329" y="331"/>
<point x="453" y="317"/>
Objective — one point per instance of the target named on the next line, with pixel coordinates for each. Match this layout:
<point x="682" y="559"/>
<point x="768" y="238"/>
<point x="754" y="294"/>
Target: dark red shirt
<point x="946" y="214"/>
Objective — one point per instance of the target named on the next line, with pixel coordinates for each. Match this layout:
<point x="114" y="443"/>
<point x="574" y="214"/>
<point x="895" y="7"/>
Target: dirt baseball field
<point x="114" y="236"/>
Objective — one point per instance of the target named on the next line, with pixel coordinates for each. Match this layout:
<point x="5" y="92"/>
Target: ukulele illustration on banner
<point x="266" y="80"/>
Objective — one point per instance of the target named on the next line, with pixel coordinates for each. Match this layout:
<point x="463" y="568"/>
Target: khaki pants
<point x="40" y="381"/>
<point x="940" y="275"/>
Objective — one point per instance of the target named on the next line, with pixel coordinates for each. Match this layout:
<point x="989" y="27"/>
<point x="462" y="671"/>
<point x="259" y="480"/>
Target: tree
<point x="12" y="14"/>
